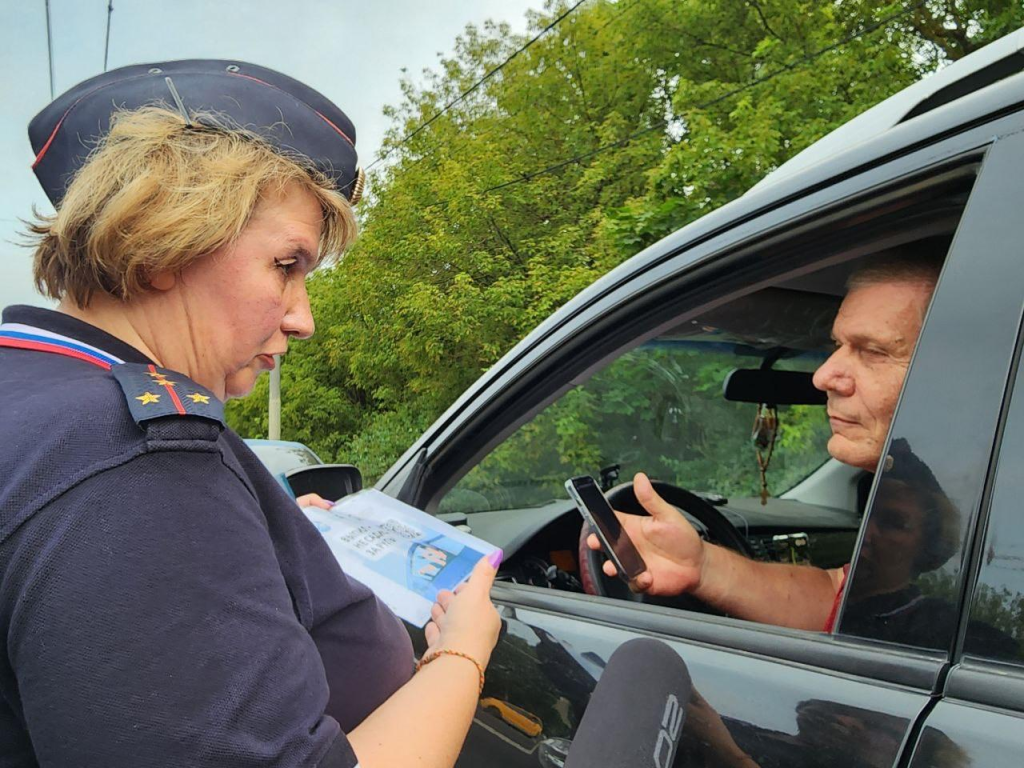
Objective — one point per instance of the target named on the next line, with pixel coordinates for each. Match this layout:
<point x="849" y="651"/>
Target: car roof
<point x="984" y="67"/>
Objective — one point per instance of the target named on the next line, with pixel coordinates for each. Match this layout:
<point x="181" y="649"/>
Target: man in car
<point x="875" y="332"/>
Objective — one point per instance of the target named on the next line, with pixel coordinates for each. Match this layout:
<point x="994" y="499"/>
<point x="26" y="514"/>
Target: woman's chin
<point x="241" y="383"/>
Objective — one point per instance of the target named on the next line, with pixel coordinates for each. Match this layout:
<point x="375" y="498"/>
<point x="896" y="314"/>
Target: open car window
<point x="660" y="408"/>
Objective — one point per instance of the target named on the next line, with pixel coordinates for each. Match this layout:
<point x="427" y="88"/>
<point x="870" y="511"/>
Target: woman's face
<point x="246" y="299"/>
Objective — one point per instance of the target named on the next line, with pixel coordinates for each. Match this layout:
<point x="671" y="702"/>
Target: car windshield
<point x="660" y="408"/>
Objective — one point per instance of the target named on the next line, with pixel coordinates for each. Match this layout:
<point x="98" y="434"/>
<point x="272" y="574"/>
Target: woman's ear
<point x="163" y="281"/>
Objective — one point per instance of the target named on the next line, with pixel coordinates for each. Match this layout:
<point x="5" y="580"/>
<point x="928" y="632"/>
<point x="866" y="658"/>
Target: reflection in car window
<point x="904" y="586"/>
<point x="280" y="458"/>
<point x="658" y="408"/>
<point x="996" y="628"/>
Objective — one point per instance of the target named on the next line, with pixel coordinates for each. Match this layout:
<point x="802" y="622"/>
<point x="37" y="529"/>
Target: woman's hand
<point x="466" y="620"/>
<point x="671" y="548"/>
<point x="313" y="500"/>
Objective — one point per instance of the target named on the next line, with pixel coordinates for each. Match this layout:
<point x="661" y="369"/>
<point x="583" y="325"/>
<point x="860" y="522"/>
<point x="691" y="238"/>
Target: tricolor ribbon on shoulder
<point x="149" y="391"/>
<point x="20" y="336"/>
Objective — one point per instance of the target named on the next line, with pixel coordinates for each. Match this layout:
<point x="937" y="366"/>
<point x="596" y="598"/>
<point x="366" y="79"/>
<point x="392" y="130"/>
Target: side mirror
<point x="331" y="481"/>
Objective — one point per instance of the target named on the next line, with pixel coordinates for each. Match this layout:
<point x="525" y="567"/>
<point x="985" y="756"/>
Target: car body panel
<point x="547" y="660"/>
<point x="961" y="734"/>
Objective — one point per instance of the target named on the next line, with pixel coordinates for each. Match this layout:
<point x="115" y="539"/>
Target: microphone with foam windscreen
<point x="636" y="713"/>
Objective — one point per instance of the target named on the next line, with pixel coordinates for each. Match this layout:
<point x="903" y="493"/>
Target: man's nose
<point x="298" y="320"/>
<point x="834" y="376"/>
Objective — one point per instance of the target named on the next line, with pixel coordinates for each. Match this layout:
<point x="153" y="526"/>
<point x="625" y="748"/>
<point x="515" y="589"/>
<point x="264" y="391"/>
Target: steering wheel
<point x="622" y="498"/>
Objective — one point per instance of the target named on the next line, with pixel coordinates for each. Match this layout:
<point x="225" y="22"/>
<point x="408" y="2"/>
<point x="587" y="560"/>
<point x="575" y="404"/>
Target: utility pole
<point x="274" y="431"/>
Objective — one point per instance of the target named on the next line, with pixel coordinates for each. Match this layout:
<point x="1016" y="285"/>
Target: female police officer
<point x="162" y="601"/>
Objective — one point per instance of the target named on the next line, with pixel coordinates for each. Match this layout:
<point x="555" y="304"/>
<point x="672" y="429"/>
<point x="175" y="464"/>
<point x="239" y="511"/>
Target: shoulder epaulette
<point x="154" y="393"/>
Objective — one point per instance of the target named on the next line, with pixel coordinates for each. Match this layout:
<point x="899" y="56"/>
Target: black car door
<point x="764" y="695"/>
<point x="980" y="717"/>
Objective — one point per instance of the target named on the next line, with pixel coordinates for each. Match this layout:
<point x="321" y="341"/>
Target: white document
<point x="403" y="554"/>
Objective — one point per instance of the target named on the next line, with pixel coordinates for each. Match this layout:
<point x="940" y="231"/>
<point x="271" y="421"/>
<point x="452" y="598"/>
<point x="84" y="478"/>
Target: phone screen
<point x="598" y="512"/>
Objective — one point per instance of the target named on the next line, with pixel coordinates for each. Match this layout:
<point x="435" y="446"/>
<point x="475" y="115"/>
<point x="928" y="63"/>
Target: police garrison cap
<point x="288" y="114"/>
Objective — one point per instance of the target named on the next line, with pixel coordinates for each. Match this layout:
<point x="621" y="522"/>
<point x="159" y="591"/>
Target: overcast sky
<point x="351" y="51"/>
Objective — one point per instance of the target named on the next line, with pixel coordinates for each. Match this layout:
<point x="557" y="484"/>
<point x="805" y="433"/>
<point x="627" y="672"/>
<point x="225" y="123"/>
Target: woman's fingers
<point x="444" y="598"/>
<point x="432" y="634"/>
<point x="436" y="612"/>
<point x="482" y="577"/>
<point x="313" y="500"/>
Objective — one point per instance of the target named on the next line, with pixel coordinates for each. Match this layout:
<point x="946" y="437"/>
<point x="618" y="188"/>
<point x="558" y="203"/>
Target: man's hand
<point x="671" y="548"/>
<point x="678" y="560"/>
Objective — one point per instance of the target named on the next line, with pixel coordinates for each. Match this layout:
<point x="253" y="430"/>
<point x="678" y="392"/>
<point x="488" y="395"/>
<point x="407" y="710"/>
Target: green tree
<point x="669" y="108"/>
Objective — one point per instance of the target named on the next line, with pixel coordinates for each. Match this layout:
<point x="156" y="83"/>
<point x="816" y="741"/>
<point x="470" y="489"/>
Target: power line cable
<point x="49" y="47"/>
<point x="496" y="127"/>
<point x="757" y="81"/>
<point x="458" y="99"/>
<point x="106" y="45"/>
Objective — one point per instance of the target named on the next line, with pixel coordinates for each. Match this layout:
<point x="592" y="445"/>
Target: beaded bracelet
<point x="449" y="652"/>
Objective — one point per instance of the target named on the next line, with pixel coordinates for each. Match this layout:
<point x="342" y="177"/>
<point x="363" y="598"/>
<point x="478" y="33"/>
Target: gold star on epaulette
<point x="148" y="398"/>
<point x="195" y="397"/>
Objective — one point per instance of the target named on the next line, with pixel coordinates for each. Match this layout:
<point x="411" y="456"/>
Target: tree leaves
<point x="449" y="272"/>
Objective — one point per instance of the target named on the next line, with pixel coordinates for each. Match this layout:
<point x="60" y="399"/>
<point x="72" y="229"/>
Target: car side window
<point x="905" y="585"/>
<point x="995" y="629"/>
<point x="659" y="408"/>
<point x="907" y="579"/>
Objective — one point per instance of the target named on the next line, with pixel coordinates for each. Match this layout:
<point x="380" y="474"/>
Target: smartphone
<point x="598" y="512"/>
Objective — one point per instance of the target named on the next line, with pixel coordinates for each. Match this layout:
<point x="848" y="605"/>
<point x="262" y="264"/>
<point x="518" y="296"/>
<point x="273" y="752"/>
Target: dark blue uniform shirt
<point x="163" y="602"/>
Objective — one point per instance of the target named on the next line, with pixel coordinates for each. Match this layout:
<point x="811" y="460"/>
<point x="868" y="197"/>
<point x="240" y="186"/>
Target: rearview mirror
<point x="770" y="387"/>
<point x="331" y="481"/>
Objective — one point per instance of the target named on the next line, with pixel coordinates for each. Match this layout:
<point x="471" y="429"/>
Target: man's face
<point x="893" y="539"/>
<point x="875" y="333"/>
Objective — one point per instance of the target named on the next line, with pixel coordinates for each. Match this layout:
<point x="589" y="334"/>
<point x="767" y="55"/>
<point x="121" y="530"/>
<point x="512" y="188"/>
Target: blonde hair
<point x="158" y="193"/>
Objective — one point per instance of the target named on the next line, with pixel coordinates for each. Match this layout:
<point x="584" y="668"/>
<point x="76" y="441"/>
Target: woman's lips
<point x="267" y="360"/>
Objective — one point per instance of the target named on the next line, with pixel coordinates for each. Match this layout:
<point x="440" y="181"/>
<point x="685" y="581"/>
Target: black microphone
<point x="635" y="715"/>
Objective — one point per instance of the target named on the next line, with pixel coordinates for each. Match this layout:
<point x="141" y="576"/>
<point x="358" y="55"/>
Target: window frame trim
<point x="974" y="678"/>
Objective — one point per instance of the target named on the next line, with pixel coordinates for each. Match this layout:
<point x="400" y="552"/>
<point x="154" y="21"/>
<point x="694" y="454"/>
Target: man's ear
<point x="163" y="281"/>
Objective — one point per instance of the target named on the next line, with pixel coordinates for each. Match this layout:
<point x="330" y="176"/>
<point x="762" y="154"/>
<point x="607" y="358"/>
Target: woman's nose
<point x="298" y="321"/>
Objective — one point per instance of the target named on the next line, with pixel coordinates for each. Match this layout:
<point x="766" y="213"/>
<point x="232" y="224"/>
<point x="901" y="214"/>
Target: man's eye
<point x="285" y="265"/>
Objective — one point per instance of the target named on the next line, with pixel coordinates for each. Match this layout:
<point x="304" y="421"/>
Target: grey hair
<point x="917" y="262"/>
